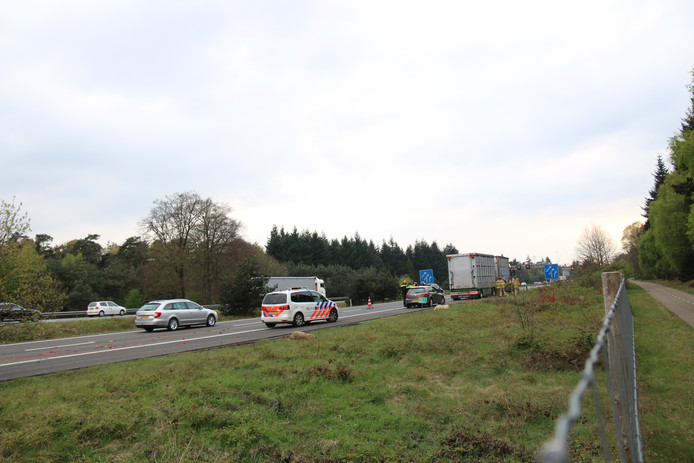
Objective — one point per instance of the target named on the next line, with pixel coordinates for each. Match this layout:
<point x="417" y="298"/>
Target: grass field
<point x="665" y="362"/>
<point x="483" y="381"/>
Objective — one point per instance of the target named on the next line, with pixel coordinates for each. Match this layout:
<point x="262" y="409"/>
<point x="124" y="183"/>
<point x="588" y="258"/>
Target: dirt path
<point x="679" y="302"/>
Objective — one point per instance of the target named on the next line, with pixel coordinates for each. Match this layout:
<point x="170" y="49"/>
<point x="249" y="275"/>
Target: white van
<point x="297" y="307"/>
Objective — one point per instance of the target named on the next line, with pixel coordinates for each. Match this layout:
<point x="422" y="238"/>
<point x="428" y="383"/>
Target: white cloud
<point x="497" y="126"/>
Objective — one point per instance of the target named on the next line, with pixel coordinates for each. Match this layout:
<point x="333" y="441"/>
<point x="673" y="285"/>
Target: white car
<point x="102" y="308"/>
<point x="297" y="307"/>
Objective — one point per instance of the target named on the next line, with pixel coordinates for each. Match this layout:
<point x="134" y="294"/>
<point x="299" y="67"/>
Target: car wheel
<point x="443" y="300"/>
<point x="101" y="314"/>
<point x="270" y="325"/>
<point x="332" y="318"/>
<point x="122" y="312"/>
<point x="211" y="320"/>
<point x="298" y="319"/>
<point x="173" y="324"/>
<point x="149" y="329"/>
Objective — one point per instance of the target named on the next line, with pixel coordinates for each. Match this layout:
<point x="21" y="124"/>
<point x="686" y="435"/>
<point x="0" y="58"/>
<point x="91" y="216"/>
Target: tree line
<point x="354" y="267"/>
<point x="662" y="246"/>
<point x="191" y="247"/>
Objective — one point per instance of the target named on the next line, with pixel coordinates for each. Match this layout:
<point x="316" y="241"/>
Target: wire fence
<point x="616" y="343"/>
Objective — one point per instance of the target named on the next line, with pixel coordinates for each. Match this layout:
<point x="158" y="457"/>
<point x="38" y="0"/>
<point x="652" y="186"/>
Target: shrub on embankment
<point x="466" y="384"/>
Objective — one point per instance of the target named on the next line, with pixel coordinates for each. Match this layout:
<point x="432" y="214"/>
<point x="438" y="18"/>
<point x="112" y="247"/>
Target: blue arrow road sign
<point x="552" y="272"/>
<point x="426" y="276"/>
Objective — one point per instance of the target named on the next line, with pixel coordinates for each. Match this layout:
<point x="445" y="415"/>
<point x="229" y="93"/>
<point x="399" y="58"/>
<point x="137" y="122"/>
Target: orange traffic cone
<point x="370" y="303"/>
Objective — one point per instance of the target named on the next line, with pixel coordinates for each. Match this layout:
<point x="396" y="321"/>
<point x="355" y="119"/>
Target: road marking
<point x="371" y="311"/>
<point x="249" y="324"/>
<point x="58" y="347"/>
<point x="176" y="341"/>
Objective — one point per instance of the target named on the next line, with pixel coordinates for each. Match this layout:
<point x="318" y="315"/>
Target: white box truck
<point x="474" y="275"/>
<point x="502" y="267"/>
<point x="282" y="283"/>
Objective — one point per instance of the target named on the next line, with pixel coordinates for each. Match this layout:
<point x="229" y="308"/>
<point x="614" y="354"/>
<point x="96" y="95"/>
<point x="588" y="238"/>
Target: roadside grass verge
<point x="665" y="363"/>
<point x="40" y="331"/>
<point x="483" y="381"/>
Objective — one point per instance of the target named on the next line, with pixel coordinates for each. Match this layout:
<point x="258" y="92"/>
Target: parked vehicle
<point x="9" y="311"/>
<point x="173" y="313"/>
<point x="102" y="308"/>
<point x="474" y="275"/>
<point x="284" y="283"/>
<point x="297" y="307"/>
<point x="436" y="287"/>
<point x="424" y="296"/>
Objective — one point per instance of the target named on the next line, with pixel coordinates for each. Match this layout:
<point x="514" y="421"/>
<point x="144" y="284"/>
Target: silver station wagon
<point x="172" y="313"/>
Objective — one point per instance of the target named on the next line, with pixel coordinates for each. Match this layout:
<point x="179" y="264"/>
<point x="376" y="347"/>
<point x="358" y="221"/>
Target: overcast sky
<point x="501" y="127"/>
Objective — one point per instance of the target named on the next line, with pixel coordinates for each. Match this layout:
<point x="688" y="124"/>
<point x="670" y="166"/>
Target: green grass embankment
<point x="482" y="381"/>
<point x="665" y="364"/>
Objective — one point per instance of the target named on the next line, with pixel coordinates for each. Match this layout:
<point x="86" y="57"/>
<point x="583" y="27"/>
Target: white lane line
<point x="58" y="347"/>
<point x="159" y="343"/>
<point x="129" y="347"/>
<point x="371" y="311"/>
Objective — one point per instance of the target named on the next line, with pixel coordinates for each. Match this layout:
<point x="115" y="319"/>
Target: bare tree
<point x="595" y="246"/>
<point x="171" y="223"/>
<point x="13" y="224"/>
<point x="213" y="236"/>
<point x="191" y="234"/>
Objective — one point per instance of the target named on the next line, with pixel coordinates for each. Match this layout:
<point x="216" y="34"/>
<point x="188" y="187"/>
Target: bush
<point x="134" y="299"/>
<point x="243" y="293"/>
<point x="379" y="285"/>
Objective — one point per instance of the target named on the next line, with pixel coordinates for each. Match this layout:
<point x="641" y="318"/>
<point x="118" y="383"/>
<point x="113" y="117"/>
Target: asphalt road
<point x="44" y="357"/>
<point x="679" y="302"/>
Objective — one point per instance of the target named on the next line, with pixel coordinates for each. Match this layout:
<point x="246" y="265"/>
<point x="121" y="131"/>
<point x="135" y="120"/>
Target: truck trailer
<point x="282" y="283"/>
<point x="474" y="275"/>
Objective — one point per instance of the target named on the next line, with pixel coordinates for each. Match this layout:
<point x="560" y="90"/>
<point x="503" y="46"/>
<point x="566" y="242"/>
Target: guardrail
<point x="73" y="314"/>
<point x="83" y="313"/>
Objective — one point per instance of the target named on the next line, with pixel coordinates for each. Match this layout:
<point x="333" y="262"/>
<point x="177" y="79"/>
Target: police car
<point x="297" y="306"/>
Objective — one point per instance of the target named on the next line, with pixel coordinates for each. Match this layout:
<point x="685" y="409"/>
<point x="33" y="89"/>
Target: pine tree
<point x="659" y="176"/>
<point x="688" y="121"/>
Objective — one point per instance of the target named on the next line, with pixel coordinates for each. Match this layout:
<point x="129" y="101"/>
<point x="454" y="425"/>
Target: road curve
<point x="679" y="302"/>
<point x="44" y="357"/>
